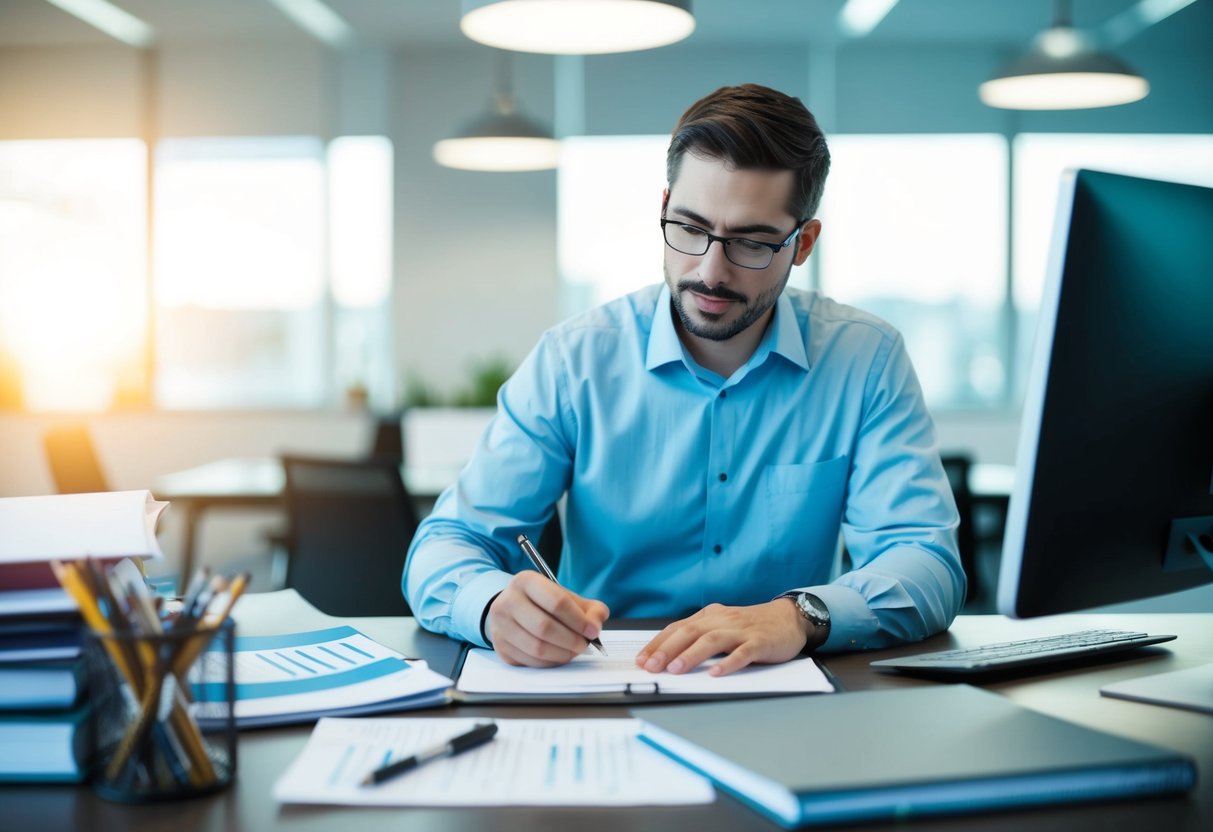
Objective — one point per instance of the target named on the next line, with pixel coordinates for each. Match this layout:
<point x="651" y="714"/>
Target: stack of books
<point x="45" y="733"/>
<point x="43" y="709"/>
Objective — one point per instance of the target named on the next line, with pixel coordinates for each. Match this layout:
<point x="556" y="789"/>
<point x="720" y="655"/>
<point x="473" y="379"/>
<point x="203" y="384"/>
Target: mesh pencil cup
<point x="163" y="713"/>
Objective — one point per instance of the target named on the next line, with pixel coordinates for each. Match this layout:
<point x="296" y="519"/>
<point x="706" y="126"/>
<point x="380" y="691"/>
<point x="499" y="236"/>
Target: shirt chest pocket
<point x="804" y="508"/>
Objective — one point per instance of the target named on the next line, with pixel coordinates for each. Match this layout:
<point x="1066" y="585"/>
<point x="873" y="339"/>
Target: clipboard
<point x="638" y="692"/>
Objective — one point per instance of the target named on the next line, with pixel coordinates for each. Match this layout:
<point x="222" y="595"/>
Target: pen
<point x="531" y="552"/>
<point x="464" y="742"/>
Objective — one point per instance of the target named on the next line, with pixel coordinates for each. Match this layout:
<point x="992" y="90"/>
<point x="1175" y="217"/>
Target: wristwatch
<point x="813" y="610"/>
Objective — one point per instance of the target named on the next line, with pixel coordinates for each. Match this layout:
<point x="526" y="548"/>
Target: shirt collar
<point x="664" y="346"/>
<point x="783" y="337"/>
<point x="787" y="339"/>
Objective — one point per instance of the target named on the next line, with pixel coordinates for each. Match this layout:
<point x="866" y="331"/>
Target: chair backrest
<point x="350" y="523"/>
<point x="957" y="466"/>
<point x="551" y="542"/>
<point x="73" y="462"/>
<point x="388" y="442"/>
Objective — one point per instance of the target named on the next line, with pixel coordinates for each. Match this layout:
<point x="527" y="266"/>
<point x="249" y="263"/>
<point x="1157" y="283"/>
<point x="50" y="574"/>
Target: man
<point x="712" y="435"/>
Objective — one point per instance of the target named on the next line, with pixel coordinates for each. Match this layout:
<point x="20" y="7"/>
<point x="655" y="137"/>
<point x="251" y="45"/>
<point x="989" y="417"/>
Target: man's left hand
<point x="767" y="633"/>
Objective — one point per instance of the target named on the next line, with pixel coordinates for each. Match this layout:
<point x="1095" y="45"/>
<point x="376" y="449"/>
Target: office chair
<point x="350" y="523"/>
<point x="957" y="467"/>
<point x="73" y="461"/>
<point x="551" y="542"/>
<point x="388" y="442"/>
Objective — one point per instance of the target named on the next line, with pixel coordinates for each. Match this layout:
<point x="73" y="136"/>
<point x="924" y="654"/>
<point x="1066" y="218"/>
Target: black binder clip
<point x="641" y="689"/>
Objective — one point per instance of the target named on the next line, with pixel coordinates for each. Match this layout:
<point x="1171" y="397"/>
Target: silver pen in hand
<point x="531" y="552"/>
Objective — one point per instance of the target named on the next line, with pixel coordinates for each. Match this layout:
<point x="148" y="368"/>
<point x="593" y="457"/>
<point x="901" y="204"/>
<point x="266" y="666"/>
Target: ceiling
<point x="402" y="23"/>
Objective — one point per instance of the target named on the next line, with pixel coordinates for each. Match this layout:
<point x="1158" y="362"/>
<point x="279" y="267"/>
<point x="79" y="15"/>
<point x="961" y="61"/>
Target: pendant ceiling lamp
<point x="501" y="139"/>
<point x="577" y="27"/>
<point x="1063" y="70"/>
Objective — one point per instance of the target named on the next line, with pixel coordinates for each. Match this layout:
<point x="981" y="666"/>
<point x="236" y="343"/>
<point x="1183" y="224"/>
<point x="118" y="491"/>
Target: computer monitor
<point x="1113" y="498"/>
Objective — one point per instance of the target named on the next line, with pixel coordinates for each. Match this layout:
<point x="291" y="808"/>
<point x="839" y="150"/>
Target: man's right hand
<point x="538" y="623"/>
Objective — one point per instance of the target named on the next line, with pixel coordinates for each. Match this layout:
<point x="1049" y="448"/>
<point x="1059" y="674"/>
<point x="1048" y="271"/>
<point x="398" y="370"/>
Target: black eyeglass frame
<point x="725" y="241"/>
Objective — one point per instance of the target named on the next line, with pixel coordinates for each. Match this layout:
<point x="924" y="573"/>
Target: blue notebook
<point x="885" y="754"/>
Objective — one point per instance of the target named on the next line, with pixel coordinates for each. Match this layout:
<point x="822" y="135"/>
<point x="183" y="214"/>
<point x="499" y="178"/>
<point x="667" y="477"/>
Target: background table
<point x="259" y="483"/>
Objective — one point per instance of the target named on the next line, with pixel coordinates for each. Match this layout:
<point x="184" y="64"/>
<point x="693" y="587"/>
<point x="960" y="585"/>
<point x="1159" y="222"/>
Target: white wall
<point x="77" y="92"/>
<point x="475" y="252"/>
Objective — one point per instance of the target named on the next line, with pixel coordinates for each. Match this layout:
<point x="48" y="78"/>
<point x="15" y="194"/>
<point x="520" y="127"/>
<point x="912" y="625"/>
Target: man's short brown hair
<point x="751" y="126"/>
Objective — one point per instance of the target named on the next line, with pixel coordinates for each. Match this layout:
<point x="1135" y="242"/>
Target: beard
<point x="713" y="326"/>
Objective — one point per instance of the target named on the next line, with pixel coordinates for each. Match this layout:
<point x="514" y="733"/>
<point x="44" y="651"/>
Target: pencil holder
<point x="163" y="717"/>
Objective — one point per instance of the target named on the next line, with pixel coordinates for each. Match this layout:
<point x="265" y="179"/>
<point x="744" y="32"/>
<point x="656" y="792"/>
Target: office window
<point x="73" y="274"/>
<point x="609" y="202"/>
<point x="360" y="267"/>
<point x="608" y="205"/>
<point x="273" y="271"/>
<point x="1040" y="159"/>
<point x="239" y="273"/>
<point x="914" y="230"/>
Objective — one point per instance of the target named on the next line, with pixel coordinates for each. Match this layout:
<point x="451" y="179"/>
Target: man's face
<point x="716" y="299"/>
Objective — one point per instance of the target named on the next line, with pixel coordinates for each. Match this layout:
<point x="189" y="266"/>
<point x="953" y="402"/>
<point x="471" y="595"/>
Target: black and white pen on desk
<point x="532" y="553"/>
<point x="457" y="745"/>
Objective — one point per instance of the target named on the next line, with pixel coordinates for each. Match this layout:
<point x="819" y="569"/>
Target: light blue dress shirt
<point x="685" y="488"/>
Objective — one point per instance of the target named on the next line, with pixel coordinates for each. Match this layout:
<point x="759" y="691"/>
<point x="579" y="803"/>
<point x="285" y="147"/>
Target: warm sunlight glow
<point x="73" y="304"/>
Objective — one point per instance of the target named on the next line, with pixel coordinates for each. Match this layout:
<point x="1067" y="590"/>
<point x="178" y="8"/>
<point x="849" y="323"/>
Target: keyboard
<point x="1028" y="654"/>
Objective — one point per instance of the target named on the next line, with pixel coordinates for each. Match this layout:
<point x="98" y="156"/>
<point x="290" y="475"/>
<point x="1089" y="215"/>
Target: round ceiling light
<point x="577" y="27"/>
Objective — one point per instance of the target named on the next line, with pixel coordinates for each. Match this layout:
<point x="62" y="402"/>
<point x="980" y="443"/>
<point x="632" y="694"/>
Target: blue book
<point x="41" y="685"/>
<point x="45" y="747"/>
<point x="27" y="640"/>
<point x="896" y="754"/>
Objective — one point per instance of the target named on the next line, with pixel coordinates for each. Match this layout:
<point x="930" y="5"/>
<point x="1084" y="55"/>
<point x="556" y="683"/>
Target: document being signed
<point x="484" y="672"/>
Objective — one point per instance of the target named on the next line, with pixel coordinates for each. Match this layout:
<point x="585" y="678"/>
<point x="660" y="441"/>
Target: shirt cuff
<point x="853" y="625"/>
<point x="471" y="601"/>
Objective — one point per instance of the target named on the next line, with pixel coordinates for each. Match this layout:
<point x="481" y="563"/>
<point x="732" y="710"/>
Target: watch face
<point x="813" y="608"/>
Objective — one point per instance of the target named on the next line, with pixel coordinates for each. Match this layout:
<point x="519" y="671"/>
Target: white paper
<point x="282" y="611"/>
<point x="485" y="672"/>
<point x="113" y="524"/>
<point x="530" y="762"/>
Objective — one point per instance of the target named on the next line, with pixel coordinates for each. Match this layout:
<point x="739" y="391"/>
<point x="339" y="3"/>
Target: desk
<point x="1073" y="695"/>
<point x="255" y="483"/>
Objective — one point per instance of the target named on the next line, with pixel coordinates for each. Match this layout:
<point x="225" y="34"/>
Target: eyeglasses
<point x="749" y="254"/>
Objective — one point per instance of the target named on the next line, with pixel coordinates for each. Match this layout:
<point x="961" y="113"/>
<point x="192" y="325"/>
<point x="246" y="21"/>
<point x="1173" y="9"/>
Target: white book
<point x="112" y="524"/>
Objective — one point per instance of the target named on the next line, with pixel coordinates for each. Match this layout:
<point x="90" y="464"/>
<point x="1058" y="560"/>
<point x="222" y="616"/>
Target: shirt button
<point x="718" y="548"/>
<point x="724" y="394"/>
<point x="723" y="476"/>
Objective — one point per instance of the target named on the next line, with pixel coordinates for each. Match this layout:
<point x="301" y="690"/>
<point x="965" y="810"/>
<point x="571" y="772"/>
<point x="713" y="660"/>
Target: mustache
<point x="701" y="288"/>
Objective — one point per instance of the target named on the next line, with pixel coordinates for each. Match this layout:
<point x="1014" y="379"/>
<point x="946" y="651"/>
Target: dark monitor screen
<point x="1113" y="498"/>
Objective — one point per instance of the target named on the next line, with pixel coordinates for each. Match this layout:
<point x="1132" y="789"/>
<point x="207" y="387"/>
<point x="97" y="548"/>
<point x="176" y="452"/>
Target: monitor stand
<point x="1191" y="689"/>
